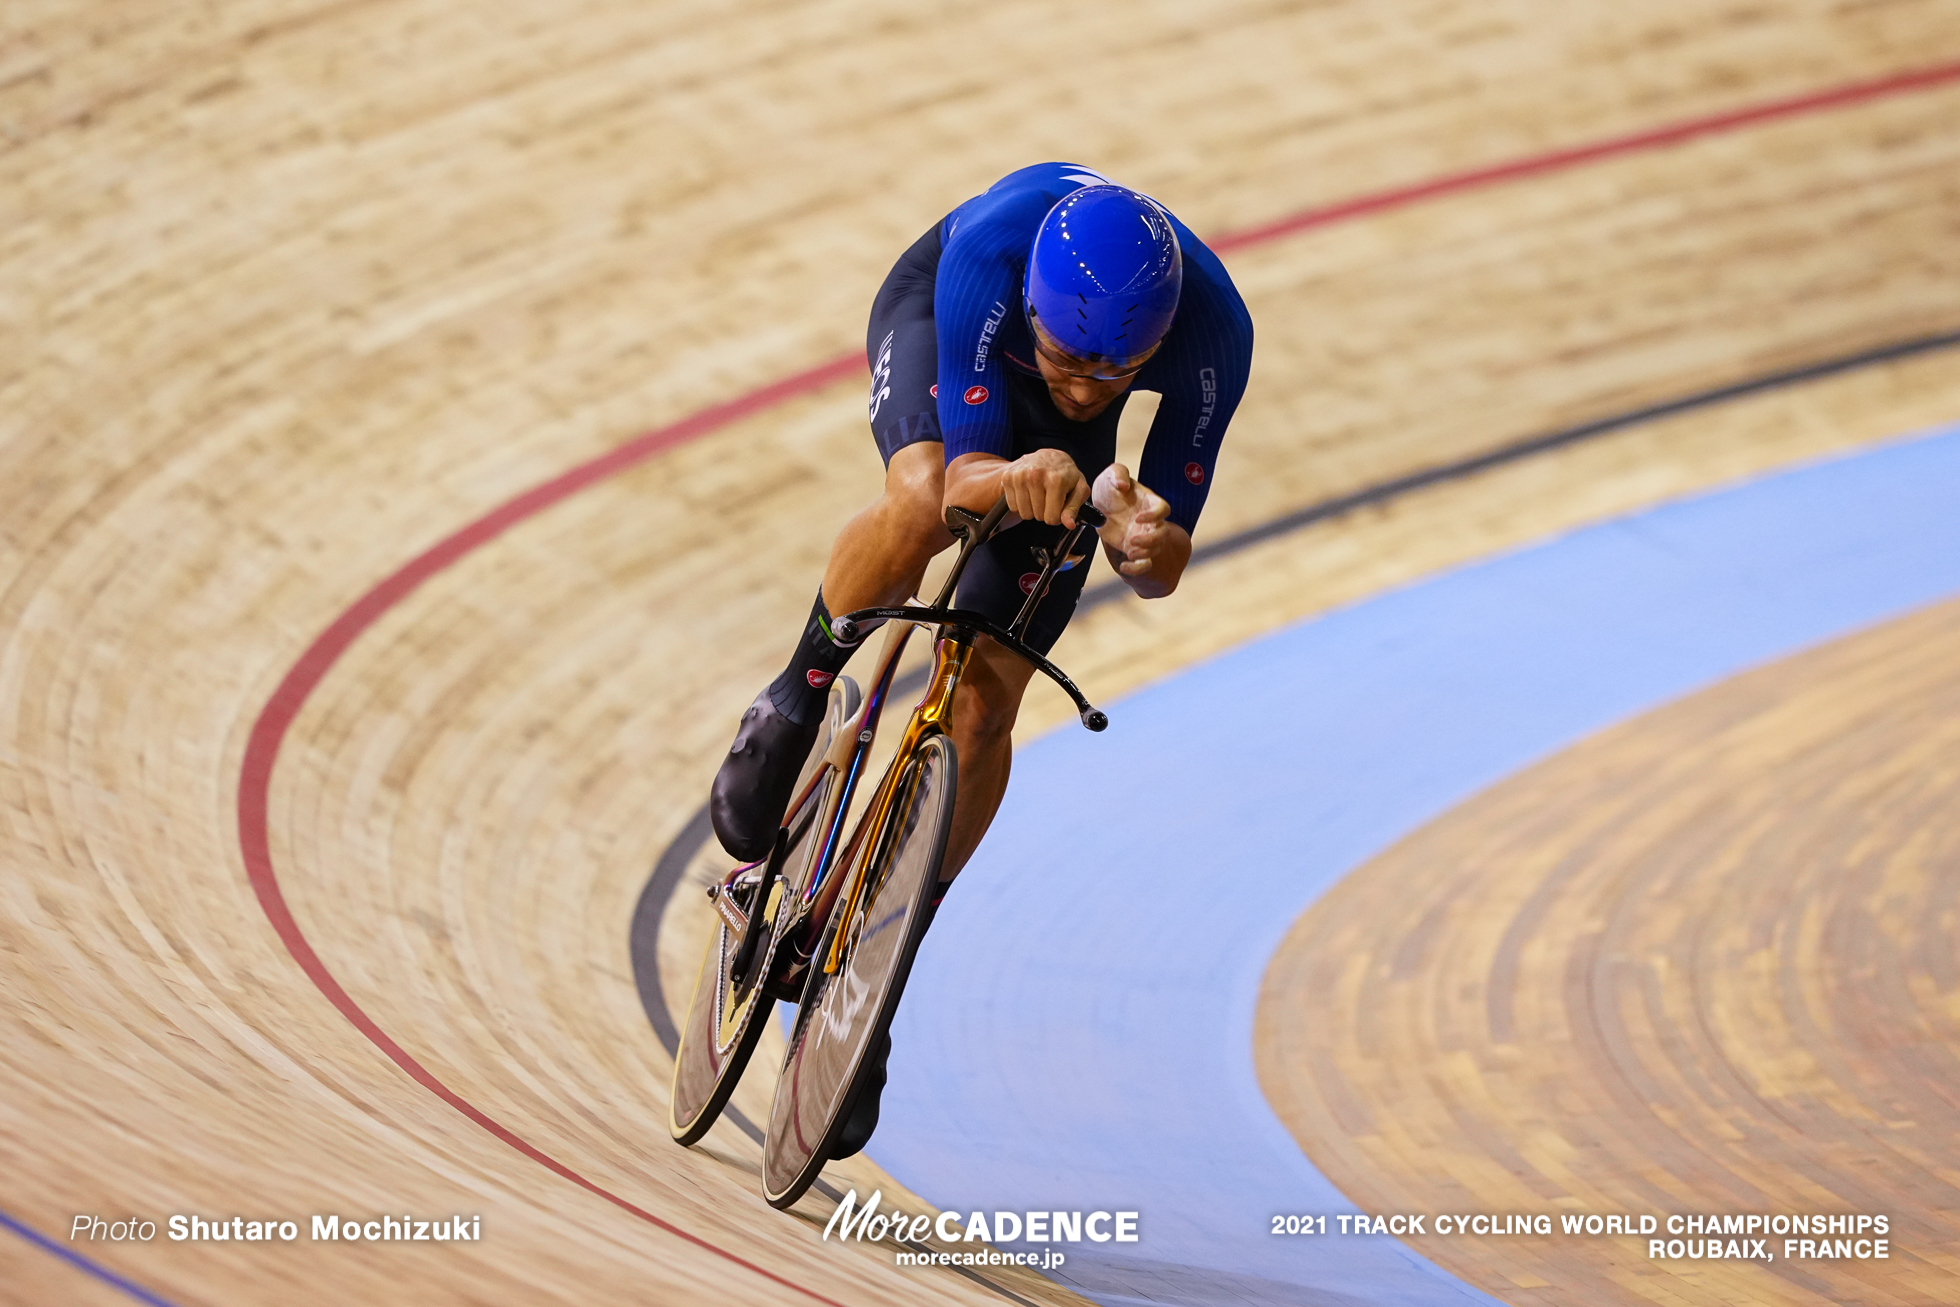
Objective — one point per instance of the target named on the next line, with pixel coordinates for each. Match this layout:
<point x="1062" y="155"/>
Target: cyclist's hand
<point x="1044" y="486"/>
<point x="1139" y="527"/>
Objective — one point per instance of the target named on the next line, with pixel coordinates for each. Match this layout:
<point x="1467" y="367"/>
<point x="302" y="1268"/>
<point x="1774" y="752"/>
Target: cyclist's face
<point x="1074" y="384"/>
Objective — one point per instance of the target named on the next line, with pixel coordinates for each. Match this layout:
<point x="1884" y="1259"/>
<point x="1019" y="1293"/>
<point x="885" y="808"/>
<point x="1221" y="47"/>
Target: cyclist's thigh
<point x="903" y="351"/>
<point x="1001" y="573"/>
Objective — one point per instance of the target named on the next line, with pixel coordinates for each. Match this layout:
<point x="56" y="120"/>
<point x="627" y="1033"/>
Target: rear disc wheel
<point x="725" y="1018"/>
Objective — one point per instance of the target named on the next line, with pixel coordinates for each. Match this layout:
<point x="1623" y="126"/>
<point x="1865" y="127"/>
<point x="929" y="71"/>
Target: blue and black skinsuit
<point x="952" y="359"/>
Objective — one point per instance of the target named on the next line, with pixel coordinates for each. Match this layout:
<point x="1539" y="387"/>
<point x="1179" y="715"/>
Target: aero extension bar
<point x="846" y="628"/>
<point x="974" y="530"/>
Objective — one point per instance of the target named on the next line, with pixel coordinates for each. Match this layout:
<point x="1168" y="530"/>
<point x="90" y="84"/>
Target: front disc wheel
<point x="843" y="1015"/>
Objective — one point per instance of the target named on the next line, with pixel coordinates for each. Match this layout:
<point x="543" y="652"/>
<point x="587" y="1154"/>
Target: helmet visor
<point x="1074" y="365"/>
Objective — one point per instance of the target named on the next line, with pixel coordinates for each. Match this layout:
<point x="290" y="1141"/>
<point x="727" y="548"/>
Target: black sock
<point x="799" y="693"/>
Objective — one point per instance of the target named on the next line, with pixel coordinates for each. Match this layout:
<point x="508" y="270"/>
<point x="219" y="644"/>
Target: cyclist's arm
<point x="1043" y="486"/>
<point x="1147" y="549"/>
<point x="1201" y="373"/>
<point x="977" y="287"/>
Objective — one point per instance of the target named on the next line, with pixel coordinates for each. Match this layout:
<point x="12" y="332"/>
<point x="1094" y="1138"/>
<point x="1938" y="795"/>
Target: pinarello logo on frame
<point x="819" y="679"/>
<point x="1194" y="473"/>
<point x="976" y="394"/>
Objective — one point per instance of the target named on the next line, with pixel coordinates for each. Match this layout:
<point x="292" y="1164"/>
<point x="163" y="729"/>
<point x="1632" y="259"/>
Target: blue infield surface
<point x="1077" y="1033"/>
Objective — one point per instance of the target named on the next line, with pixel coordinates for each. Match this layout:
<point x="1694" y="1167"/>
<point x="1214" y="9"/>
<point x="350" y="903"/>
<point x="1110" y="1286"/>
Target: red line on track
<point x="276" y="718"/>
<point x="1557" y="160"/>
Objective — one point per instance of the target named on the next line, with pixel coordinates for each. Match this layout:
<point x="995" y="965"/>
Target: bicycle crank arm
<point x="743" y="962"/>
<point x="846" y="627"/>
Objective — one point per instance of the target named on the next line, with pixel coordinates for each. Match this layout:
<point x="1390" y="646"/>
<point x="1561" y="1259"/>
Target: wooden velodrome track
<point x="291" y="294"/>
<point x="1727" y="924"/>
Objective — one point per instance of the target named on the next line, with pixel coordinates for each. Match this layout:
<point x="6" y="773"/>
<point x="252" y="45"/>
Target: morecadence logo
<point x="866" y="1223"/>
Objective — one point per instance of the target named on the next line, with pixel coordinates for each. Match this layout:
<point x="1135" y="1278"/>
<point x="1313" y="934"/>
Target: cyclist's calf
<point x="983" y="733"/>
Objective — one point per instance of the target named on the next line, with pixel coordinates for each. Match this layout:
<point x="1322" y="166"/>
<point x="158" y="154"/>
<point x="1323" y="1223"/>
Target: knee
<point x="987" y="713"/>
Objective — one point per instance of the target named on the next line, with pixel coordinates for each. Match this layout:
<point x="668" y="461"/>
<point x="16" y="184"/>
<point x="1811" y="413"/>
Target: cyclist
<point x="1003" y="345"/>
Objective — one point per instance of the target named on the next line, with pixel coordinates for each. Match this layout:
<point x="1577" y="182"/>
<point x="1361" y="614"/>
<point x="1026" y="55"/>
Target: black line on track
<point x="1514" y="451"/>
<point x="644" y="933"/>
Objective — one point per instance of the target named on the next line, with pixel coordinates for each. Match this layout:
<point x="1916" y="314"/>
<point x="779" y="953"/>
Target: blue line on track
<point x="82" y="1263"/>
<point x="1077" y="1032"/>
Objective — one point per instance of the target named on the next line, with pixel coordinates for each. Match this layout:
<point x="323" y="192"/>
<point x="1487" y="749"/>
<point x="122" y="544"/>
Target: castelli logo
<point x="1029" y="581"/>
<point x="935" y="392"/>
<point x="819" y="679"/>
<point x="976" y="394"/>
<point x="1194" y="473"/>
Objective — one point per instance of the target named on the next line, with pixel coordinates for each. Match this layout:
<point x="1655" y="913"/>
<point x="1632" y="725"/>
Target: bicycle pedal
<point x="741" y="890"/>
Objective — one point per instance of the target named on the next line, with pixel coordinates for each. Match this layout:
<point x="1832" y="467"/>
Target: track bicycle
<point x="832" y="923"/>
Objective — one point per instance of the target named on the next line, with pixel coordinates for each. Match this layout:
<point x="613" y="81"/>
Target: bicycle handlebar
<point x="974" y="531"/>
<point x="961" y="520"/>
<point x="1093" y="718"/>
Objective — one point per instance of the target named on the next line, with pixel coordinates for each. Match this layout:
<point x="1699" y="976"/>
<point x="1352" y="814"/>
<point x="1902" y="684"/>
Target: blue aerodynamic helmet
<point x="1104" y="274"/>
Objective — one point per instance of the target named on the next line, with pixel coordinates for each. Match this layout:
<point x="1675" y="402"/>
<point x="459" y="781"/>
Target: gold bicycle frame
<point x="932" y="717"/>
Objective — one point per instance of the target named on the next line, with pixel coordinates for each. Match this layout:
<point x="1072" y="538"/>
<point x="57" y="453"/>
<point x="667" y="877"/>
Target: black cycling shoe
<point x="753" y="786"/>
<point x="863" y="1118"/>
